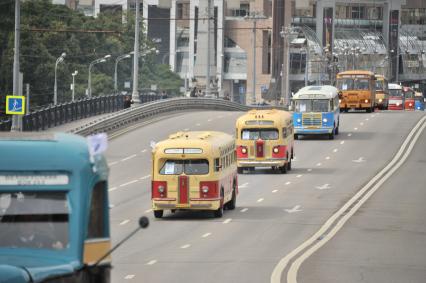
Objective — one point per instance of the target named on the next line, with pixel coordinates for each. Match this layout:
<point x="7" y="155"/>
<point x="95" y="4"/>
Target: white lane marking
<point x="287" y="183"/>
<point x="143" y="150"/>
<point x="144" y="177"/>
<point x="209" y="120"/>
<point x="220" y="117"/>
<point x="319" y="164"/>
<point x="151" y="262"/>
<point x="347" y="210"/>
<point x="296" y="208"/>
<point x="206" y="235"/>
<point x="185" y="246"/>
<point x="198" y="124"/>
<point x="350" y="134"/>
<point x="366" y="119"/>
<point x="124" y="222"/>
<point x="342" y="142"/>
<point x="111" y="206"/>
<point x="309" y="170"/>
<point x="128" y="183"/>
<point x="112" y="163"/>
<point x="243" y="186"/>
<point x="112" y="189"/>
<point x="327" y="158"/>
<point x="227" y="221"/>
<point x="299" y="176"/>
<point x="129" y="277"/>
<point x="356" y="129"/>
<point x="362" y="123"/>
<point x="274" y="191"/>
<point x="335" y="150"/>
<point x="260" y="200"/>
<point x="372" y="116"/>
<point x="244" y="209"/>
<point x="128" y="157"/>
<point x="359" y="160"/>
<point x="323" y="187"/>
<point x="186" y="129"/>
<point x="148" y="210"/>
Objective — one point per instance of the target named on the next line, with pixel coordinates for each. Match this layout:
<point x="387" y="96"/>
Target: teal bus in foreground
<point x="54" y="214"/>
<point x="316" y="111"/>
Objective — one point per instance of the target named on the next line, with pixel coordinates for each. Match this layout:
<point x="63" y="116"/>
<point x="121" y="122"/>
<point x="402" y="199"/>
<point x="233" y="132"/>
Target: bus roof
<point x="356" y="72"/>
<point x="317" y="92"/>
<point x="394" y="86"/>
<point x="44" y="152"/>
<point x="380" y="77"/>
<point x="279" y="116"/>
<point x="212" y="141"/>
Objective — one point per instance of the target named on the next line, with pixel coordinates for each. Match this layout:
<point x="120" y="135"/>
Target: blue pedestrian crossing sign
<point x="15" y="105"/>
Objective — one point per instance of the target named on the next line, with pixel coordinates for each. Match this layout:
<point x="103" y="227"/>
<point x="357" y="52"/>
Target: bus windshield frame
<point x="346" y="84"/>
<point x="185" y="166"/>
<point x="260" y="133"/>
<point x="395" y="92"/>
<point x="312" y="105"/>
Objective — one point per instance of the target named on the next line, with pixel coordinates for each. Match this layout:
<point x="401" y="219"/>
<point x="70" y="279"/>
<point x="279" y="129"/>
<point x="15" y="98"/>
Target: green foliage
<point x="39" y="51"/>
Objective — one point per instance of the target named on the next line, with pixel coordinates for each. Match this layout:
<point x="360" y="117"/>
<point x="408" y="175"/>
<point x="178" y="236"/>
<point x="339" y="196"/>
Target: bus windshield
<point x="380" y="85"/>
<point x="409" y="94"/>
<point x="189" y="167"/>
<point x="312" y="105"/>
<point x="37" y="220"/>
<point x="255" y="134"/>
<point x="351" y="84"/>
<point x="395" y="92"/>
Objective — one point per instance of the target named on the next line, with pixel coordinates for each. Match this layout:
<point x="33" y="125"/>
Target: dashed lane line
<point x="342" y="142"/>
<point x="151" y="262"/>
<point x="227" y="221"/>
<point x="327" y="158"/>
<point x="128" y="183"/>
<point x="335" y="150"/>
<point x="274" y="191"/>
<point x="112" y="163"/>
<point x="206" y="235"/>
<point x="350" y="134"/>
<point x="244" y="209"/>
<point x="356" y="129"/>
<point x="260" y="200"/>
<point x="145" y="177"/>
<point x="124" y="222"/>
<point x="128" y="158"/>
<point x="143" y="150"/>
<point x="318" y="164"/>
<point x="185" y="246"/>
<point x="287" y="183"/>
<point x="299" y="176"/>
<point x="148" y="210"/>
<point x="129" y="277"/>
<point x="112" y="189"/>
<point x="309" y="170"/>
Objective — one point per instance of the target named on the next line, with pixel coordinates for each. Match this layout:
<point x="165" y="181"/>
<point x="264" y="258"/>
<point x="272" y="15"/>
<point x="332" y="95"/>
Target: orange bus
<point x="265" y="138"/>
<point x="358" y="90"/>
<point x="194" y="171"/>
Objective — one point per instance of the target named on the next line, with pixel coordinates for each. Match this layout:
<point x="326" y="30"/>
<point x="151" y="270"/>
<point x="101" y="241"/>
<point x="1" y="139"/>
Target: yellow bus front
<point x="358" y="92"/>
<point x="382" y="94"/>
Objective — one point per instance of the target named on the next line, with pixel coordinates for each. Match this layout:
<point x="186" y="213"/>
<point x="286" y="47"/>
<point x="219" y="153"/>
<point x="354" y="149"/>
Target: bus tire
<point x="240" y="170"/>
<point x="158" y="213"/>
<point x="331" y="136"/>
<point x="289" y="165"/>
<point x="336" y="132"/>
<point x="369" y="110"/>
<point x="233" y="202"/>
<point x="296" y="136"/>
<point x="283" y="169"/>
<point x="218" y="213"/>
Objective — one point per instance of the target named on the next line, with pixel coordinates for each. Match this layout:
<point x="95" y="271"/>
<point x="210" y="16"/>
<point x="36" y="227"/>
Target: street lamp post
<point x="118" y="59"/>
<point x="288" y="34"/>
<point x="73" y="84"/>
<point x="135" y="91"/>
<point x="97" y="61"/>
<point x="55" y="89"/>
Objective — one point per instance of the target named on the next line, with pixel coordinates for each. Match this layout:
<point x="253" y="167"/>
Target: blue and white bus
<point x="316" y="111"/>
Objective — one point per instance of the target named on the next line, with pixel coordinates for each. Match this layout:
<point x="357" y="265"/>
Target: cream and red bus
<point x="358" y="90"/>
<point x="194" y="171"/>
<point x="265" y="138"/>
<point x="382" y="92"/>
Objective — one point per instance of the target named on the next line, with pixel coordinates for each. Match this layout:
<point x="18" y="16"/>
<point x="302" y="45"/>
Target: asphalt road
<point x="275" y="213"/>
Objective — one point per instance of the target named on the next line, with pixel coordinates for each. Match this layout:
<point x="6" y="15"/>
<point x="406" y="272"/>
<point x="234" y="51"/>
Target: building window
<point x="358" y="12"/>
<point x="243" y="11"/>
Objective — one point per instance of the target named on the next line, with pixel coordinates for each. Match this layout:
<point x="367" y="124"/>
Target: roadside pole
<point x="16" y="119"/>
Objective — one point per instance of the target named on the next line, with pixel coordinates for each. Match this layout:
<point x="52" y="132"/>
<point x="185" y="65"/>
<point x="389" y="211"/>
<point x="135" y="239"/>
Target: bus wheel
<point x="289" y="165"/>
<point x="218" y="213"/>
<point x="331" y="136"/>
<point x="369" y="110"/>
<point x="336" y="132"/>
<point x="296" y="136"/>
<point x="240" y="170"/>
<point x="233" y="202"/>
<point x="283" y="169"/>
<point x="158" y="213"/>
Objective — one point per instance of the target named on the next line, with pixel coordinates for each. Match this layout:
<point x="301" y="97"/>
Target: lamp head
<point x="63" y="55"/>
<point x="107" y="56"/>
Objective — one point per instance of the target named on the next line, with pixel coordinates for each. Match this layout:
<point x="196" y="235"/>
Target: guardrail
<point x="136" y="114"/>
<point x="64" y="113"/>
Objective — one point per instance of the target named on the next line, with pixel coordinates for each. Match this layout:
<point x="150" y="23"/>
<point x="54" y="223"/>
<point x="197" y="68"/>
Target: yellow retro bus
<point x="194" y="171"/>
<point x="382" y="92"/>
<point x="265" y="139"/>
<point x="358" y="90"/>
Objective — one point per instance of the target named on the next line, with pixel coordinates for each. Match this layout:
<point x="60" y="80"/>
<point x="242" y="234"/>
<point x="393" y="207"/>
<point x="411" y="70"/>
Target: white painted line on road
<point x="143" y="150"/>
<point x="372" y="116"/>
<point x="151" y="262"/>
<point x="356" y="129"/>
<point x="243" y="186"/>
<point x="124" y="222"/>
<point x="260" y="200"/>
<point x="309" y="170"/>
<point x="111" y="206"/>
<point x="209" y="120"/>
<point x="112" y="163"/>
<point x="227" y="221"/>
<point x="274" y="191"/>
<point x="128" y="183"/>
<point x="112" y="189"/>
<point x="323" y="187"/>
<point x="148" y="210"/>
<point x="287" y="183"/>
<point x="144" y="177"/>
<point x="327" y="158"/>
<point x="186" y="129"/>
<point x="129" y="277"/>
<point x="206" y="235"/>
<point x="129" y="157"/>
<point x="185" y="246"/>
<point x="366" y="119"/>
<point x="319" y="164"/>
<point x="350" y="134"/>
<point x="299" y="176"/>
<point x="294" y="209"/>
<point x="342" y="142"/>
<point x="244" y="209"/>
<point x="198" y="124"/>
<point x="335" y="150"/>
<point x="359" y="160"/>
<point x="362" y="123"/>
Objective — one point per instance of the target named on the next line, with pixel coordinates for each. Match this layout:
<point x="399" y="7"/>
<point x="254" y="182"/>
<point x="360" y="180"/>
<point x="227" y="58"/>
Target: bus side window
<point x="97" y="225"/>
<point x="285" y="132"/>
<point x="236" y="133"/>
<point x="217" y="165"/>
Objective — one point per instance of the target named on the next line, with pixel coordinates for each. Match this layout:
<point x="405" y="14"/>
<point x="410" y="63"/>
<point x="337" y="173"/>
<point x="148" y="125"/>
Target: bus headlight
<point x="205" y="189"/>
<point x="325" y="120"/>
<point x="276" y="150"/>
<point x="161" y="189"/>
<point x="411" y="104"/>
<point x="298" y="120"/>
<point x="340" y="101"/>
<point x="244" y="150"/>
<point x="380" y="100"/>
<point x="366" y="101"/>
<point x="397" y="104"/>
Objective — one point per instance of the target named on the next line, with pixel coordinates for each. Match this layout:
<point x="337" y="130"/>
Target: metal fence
<point x="64" y="113"/>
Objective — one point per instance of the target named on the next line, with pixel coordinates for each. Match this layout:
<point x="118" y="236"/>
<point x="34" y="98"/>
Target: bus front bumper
<point x="194" y="204"/>
<point x="262" y="163"/>
<point x="313" y="131"/>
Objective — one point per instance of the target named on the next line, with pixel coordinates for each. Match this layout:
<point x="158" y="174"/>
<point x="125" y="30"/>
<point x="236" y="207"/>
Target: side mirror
<point x="340" y="95"/>
<point x="290" y="107"/>
<point x="218" y="167"/>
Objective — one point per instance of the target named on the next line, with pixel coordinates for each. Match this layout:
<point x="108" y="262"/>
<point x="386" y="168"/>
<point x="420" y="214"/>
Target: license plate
<point x="182" y="205"/>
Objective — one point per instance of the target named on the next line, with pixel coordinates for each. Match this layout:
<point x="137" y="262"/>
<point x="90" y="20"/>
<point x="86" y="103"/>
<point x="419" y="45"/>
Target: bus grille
<point x="311" y="119"/>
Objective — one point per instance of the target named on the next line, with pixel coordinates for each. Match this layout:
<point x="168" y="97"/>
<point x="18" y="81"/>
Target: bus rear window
<point x="189" y="167"/>
<point x="37" y="220"/>
<point x="255" y="134"/>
